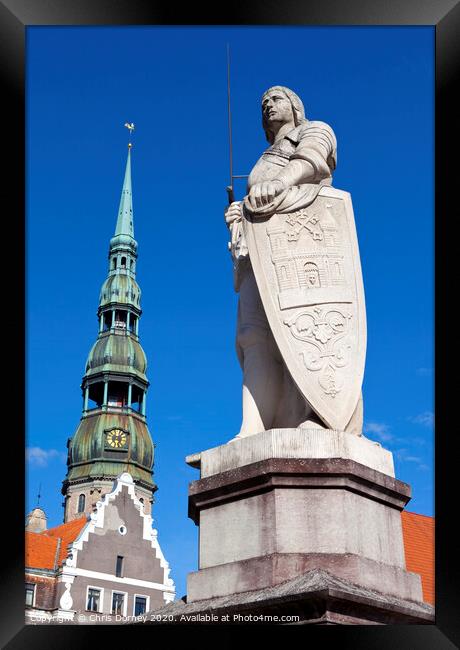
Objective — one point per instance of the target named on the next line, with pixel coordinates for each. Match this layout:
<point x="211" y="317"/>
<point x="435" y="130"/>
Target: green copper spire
<point x="125" y="211"/>
<point x="112" y="435"/>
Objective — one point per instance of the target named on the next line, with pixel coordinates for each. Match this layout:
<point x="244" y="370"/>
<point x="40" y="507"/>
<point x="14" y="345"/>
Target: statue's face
<point x="276" y="107"/>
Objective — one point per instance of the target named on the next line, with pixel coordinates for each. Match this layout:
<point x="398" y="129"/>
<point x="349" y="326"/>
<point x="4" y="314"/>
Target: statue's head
<point x="297" y="111"/>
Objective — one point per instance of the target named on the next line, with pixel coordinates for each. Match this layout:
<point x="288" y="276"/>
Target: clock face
<point x="117" y="438"/>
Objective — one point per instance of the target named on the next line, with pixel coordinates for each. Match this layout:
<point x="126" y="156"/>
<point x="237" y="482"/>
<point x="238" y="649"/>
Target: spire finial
<point x="39" y="495"/>
<point x="130" y="127"/>
<point x="125" y="211"/>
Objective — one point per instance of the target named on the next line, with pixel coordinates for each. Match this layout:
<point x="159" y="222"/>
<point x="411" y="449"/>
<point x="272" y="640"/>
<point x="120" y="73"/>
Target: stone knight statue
<point x="301" y="342"/>
<point x="301" y="332"/>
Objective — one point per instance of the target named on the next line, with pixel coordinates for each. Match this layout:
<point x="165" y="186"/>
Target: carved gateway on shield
<point x="308" y="255"/>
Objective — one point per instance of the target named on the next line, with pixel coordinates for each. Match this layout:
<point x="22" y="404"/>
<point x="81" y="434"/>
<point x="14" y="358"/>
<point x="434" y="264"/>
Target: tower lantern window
<point x="123" y="262"/>
<point x="107" y="320"/>
<point x="117" y="394"/>
<point x="120" y="318"/>
<point x="136" y="399"/>
<point x="95" y="395"/>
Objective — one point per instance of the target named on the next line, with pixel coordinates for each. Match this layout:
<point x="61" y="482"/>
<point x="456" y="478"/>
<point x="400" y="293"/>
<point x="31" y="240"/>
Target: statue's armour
<point x="314" y="142"/>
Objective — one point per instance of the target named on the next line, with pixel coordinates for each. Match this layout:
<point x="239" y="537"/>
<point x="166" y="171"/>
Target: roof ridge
<point x="64" y="525"/>
<point x="57" y="553"/>
<point x="417" y="514"/>
<point x="41" y="535"/>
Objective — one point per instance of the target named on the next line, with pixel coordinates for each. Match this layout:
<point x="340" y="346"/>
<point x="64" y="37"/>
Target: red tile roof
<point x="418" y="535"/>
<point x="40" y="551"/>
<point x="41" y="548"/>
<point x="68" y="533"/>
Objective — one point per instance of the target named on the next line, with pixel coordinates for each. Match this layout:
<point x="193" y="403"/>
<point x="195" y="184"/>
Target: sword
<point x="230" y="193"/>
<point x="229" y="188"/>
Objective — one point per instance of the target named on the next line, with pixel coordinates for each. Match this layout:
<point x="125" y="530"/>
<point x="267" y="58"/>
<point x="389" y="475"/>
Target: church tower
<point x="112" y="436"/>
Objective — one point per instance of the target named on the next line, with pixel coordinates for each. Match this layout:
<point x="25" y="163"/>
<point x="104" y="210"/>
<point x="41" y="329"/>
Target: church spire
<point x="125" y="211"/>
<point x="112" y="435"/>
<point x="123" y="246"/>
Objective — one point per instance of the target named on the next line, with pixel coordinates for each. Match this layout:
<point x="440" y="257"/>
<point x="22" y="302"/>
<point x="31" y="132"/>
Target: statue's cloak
<point x="307" y="267"/>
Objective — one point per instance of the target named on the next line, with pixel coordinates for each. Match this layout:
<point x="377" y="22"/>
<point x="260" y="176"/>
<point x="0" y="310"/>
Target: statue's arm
<point x="317" y="149"/>
<point x="296" y="172"/>
<point x="237" y="245"/>
<point x="313" y="160"/>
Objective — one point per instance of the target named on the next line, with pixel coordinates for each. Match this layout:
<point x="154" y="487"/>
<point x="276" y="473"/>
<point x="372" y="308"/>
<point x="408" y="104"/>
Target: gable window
<point x="140" y="605"/>
<point x="118" y="602"/>
<point x="119" y="567"/>
<point x="94" y="599"/>
<point x="81" y="503"/>
<point x="30" y="594"/>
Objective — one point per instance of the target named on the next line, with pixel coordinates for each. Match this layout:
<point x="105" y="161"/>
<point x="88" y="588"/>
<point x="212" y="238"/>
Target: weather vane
<point x="130" y="127"/>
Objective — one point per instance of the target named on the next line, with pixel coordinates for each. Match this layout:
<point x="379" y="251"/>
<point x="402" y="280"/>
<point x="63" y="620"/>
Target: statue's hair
<point x="297" y="109"/>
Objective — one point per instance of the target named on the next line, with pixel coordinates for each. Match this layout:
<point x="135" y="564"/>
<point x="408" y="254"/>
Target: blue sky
<point x="373" y="85"/>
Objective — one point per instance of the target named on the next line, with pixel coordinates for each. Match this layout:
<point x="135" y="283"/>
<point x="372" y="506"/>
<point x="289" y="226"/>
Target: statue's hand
<point x="233" y="212"/>
<point x="263" y="193"/>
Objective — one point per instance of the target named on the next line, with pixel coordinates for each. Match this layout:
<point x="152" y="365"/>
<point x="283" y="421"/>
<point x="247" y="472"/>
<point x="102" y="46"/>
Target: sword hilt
<point x="230" y="193"/>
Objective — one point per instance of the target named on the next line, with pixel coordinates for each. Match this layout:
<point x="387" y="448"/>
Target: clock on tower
<point x="116" y="439"/>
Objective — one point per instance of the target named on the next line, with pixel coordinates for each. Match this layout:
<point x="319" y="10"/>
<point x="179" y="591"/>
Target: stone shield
<point x="307" y="267"/>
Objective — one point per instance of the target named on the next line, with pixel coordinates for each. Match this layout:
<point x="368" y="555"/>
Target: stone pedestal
<point x="277" y="505"/>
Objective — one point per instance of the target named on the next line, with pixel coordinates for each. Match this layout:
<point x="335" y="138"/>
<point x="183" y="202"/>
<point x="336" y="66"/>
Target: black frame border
<point x="444" y="15"/>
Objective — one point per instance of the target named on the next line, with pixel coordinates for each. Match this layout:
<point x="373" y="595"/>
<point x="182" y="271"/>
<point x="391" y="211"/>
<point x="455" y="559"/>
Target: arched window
<point x="81" y="503"/>
<point x="123" y="262"/>
<point x="114" y="263"/>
